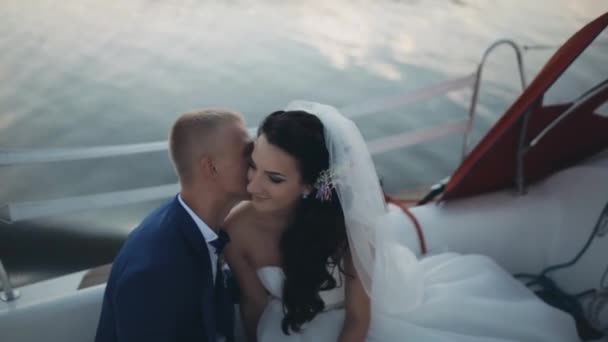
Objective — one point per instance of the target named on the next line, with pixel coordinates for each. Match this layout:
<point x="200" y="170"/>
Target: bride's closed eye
<point x="276" y="179"/>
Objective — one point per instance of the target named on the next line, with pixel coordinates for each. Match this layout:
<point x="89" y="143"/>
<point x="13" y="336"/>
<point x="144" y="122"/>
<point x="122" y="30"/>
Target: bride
<point x="316" y="257"/>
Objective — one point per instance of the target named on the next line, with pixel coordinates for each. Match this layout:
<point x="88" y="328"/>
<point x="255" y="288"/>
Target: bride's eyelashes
<point x="275" y="179"/>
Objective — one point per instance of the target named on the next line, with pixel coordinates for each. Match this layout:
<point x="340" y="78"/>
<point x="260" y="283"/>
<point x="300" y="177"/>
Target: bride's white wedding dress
<point x="466" y="298"/>
<point x="442" y="298"/>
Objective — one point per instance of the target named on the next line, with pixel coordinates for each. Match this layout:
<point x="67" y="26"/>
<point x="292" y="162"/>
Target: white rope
<point x="11" y="157"/>
<point x="15" y="212"/>
<point x="416" y="137"/>
<point x="395" y="101"/>
<point x="28" y="156"/>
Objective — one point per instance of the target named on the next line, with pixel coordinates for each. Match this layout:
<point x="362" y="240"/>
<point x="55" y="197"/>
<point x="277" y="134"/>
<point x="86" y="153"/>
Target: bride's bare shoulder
<point x="240" y="222"/>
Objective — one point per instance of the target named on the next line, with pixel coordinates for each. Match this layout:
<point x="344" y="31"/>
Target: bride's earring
<point x="305" y="195"/>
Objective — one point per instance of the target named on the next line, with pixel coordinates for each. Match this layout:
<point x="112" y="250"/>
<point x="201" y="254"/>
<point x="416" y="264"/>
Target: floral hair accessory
<point x="328" y="180"/>
<point x="324" y="185"/>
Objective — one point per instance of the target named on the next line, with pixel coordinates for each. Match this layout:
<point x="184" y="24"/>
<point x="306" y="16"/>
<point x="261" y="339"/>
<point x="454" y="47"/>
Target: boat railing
<point x="598" y="89"/>
<point x="439" y="187"/>
<point x="16" y="212"/>
<point x="523" y="148"/>
<point x="477" y="85"/>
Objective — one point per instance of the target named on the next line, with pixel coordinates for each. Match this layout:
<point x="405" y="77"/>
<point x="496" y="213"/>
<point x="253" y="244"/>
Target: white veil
<point x="388" y="270"/>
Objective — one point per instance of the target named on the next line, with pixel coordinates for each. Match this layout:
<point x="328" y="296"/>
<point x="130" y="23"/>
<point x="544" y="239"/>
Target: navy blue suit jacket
<point x="161" y="284"/>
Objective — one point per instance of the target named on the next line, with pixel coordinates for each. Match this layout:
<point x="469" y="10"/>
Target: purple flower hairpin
<point x="328" y="180"/>
<point x="324" y="185"/>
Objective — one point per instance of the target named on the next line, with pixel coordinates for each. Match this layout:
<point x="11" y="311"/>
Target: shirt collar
<point x="207" y="232"/>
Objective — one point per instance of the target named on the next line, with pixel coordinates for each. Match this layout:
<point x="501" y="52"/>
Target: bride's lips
<point x="257" y="198"/>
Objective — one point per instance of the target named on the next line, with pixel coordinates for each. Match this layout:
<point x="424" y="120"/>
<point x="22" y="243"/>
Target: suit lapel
<point x="198" y="246"/>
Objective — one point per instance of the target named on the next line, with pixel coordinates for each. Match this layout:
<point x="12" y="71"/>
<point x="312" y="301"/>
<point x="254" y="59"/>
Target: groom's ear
<point x="207" y="166"/>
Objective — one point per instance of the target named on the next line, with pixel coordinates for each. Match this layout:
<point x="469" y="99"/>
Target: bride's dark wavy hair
<point x="315" y="239"/>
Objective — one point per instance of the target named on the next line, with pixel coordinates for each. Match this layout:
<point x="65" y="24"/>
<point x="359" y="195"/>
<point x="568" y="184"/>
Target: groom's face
<point x="232" y="163"/>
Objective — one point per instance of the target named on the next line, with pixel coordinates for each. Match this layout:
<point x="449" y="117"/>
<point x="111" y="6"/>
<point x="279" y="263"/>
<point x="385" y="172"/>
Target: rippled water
<point x="84" y="73"/>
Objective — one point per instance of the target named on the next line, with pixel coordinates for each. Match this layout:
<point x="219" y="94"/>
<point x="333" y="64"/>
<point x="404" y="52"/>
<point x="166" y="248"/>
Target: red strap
<point x="409" y="214"/>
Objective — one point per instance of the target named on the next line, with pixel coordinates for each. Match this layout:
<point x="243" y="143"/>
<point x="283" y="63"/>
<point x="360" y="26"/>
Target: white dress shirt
<point x="207" y="232"/>
<point x="209" y="236"/>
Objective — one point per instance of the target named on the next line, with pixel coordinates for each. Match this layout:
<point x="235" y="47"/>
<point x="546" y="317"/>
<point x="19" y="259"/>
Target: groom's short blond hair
<point x="196" y="133"/>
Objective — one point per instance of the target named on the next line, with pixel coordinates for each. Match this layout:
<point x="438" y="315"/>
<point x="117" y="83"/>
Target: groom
<point x="166" y="283"/>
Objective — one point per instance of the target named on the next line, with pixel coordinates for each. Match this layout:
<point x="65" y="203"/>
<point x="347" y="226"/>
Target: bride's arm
<point x="357" y="305"/>
<point x="253" y="296"/>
